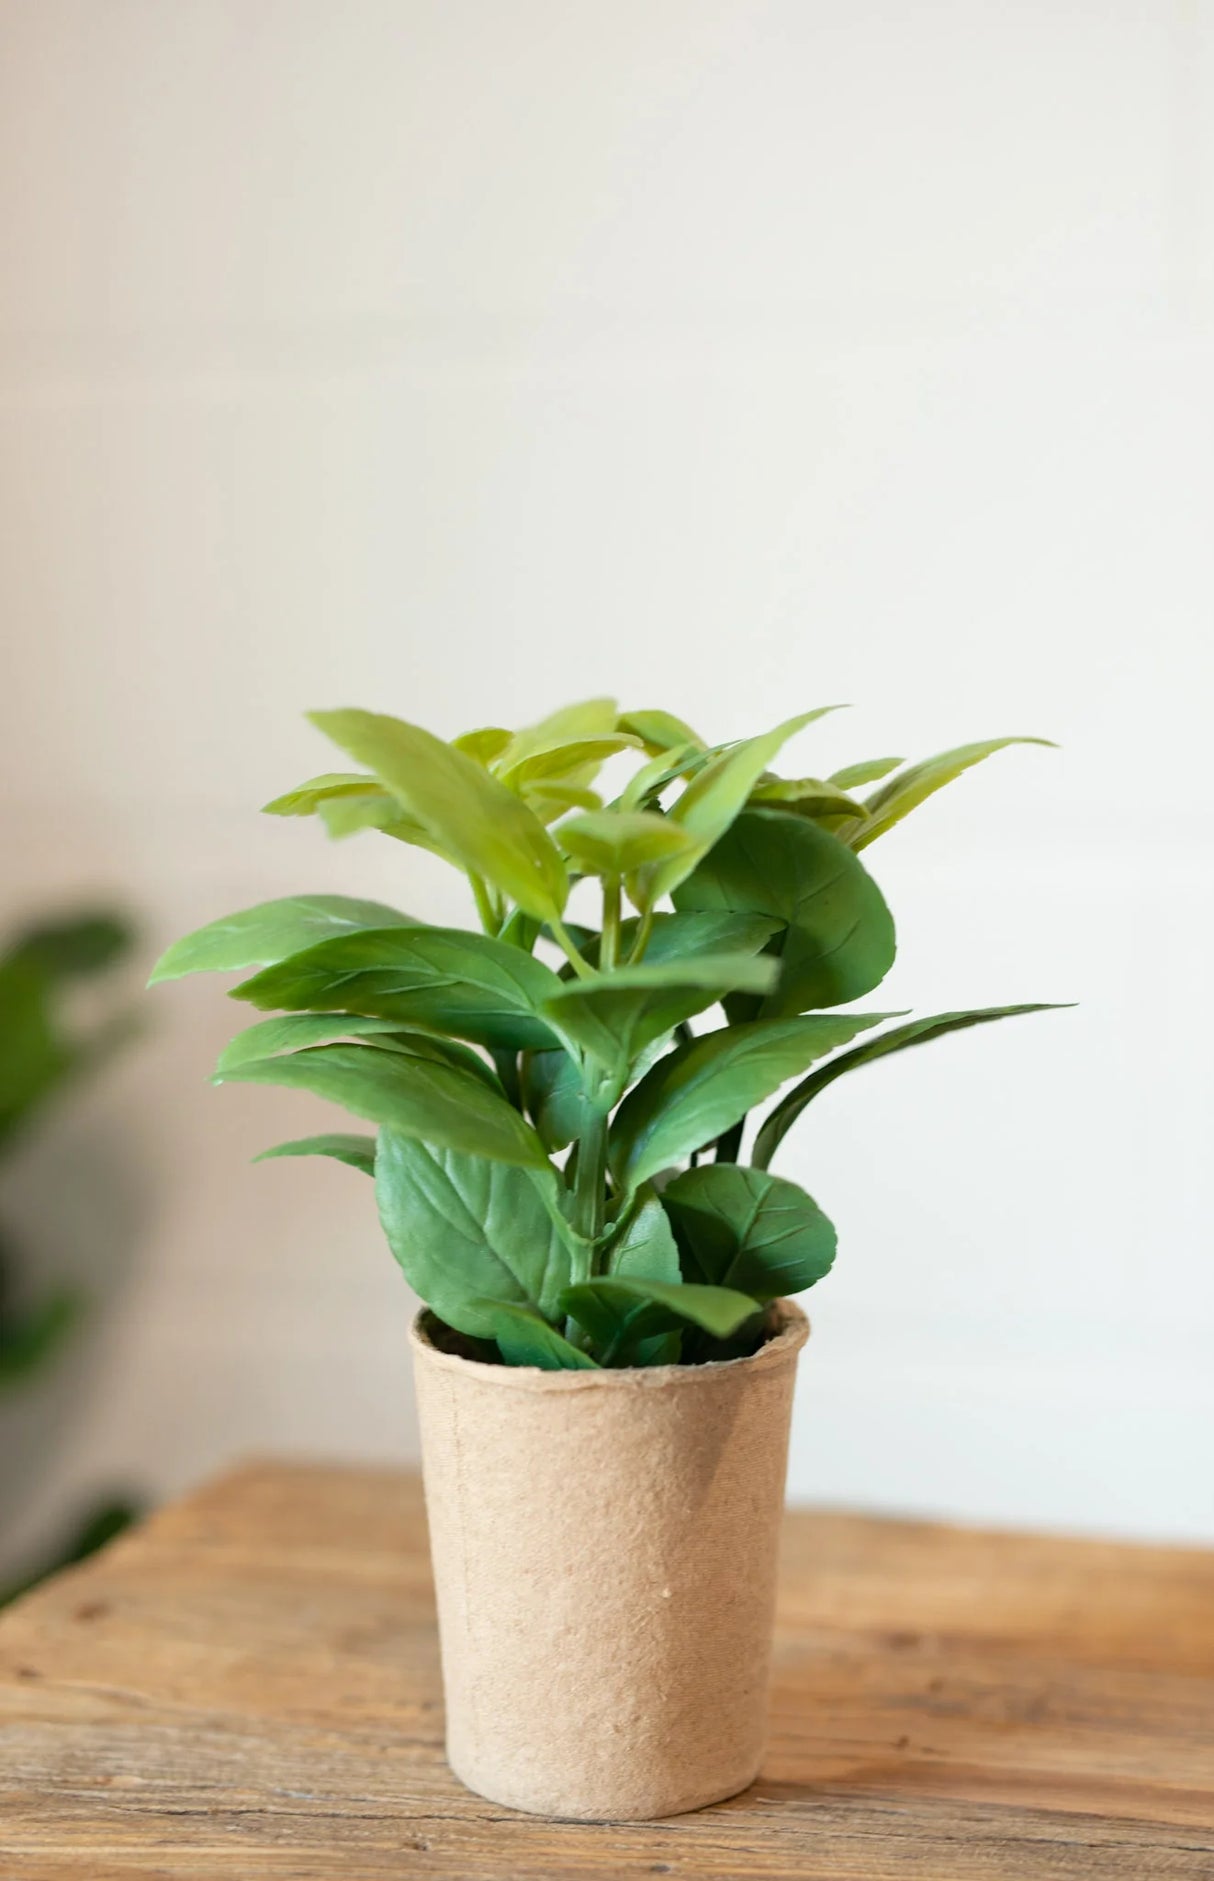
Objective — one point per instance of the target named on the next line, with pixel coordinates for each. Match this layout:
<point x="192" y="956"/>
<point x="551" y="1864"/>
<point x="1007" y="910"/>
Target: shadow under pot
<point x="604" y="1547"/>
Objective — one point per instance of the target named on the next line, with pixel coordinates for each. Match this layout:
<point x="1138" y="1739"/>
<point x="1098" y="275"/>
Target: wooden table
<point x="249" y="1688"/>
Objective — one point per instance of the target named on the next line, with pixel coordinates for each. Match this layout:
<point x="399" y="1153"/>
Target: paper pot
<point x="604" y="1548"/>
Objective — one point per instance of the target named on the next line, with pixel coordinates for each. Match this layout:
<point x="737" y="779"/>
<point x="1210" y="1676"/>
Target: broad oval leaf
<point x="552" y="1094"/>
<point x="470" y="813"/>
<point x="296" y="1030"/>
<point x="272" y="931"/>
<point x="747" y="1229"/>
<point x="615" y="1016"/>
<point x="525" y="1338"/>
<point x="577" y="763"/>
<point x="702" y="1089"/>
<point x="484" y="744"/>
<point x="469" y="984"/>
<point x="838" y="941"/>
<point x="917" y="1032"/>
<point x="416" y="1091"/>
<point x="911" y="787"/>
<point x="645" y="1249"/>
<point x="587" y="718"/>
<point x="465" y="1230"/>
<point x="357" y="1151"/>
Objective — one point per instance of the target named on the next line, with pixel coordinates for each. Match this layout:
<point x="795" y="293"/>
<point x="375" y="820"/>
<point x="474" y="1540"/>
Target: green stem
<point x="590" y="1182"/>
<point x="609" y="947"/>
<point x="484" y="906"/>
<point x="644" y="930"/>
<point x="564" y="941"/>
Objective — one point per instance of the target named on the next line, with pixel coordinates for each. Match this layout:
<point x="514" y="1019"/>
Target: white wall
<point x="458" y="357"/>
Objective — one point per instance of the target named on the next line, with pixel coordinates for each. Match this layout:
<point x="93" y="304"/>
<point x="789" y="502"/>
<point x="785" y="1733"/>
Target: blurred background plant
<point x="57" y="1027"/>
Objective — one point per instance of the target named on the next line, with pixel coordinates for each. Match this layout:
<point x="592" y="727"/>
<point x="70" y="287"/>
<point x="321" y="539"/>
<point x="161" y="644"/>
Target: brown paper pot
<point x="604" y="1549"/>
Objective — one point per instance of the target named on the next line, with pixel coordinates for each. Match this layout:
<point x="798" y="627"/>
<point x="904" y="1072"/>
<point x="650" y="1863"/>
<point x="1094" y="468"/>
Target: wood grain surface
<point x="247" y="1689"/>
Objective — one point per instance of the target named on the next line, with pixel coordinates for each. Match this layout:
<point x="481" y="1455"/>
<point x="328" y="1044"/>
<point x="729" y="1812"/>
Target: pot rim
<point x="781" y="1349"/>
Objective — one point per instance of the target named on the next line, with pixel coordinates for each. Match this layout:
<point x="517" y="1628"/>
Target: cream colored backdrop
<point x="457" y="357"/>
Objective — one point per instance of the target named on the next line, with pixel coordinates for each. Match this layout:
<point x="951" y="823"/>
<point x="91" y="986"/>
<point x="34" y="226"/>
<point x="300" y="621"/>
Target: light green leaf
<point x="746" y="1229"/>
<point x="714" y="797"/>
<point x="700" y="1090"/>
<point x="660" y="731"/>
<point x="350" y="814"/>
<point x="577" y="762"/>
<point x="272" y="931"/>
<point x="552" y="799"/>
<point x="839" y="939"/>
<point x="416" y="1091"/>
<point x="619" y="1312"/>
<point x="913" y="786"/>
<point x="471" y="814"/>
<point x="588" y="718"/>
<point x="805" y="796"/>
<point x="357" y="1151"/>
<point x="306" y="798"/>
<point x="444" y="978"/>
<point x="615" y="842"/>
<point x="646" y="785"/>
<point x="485" y="744"/>
<point x="552" y="1095"/>
<point x="870" y="771"/>
<point x="524" y="1338"/>
<point x="616" y="1016"/>
<point x="465" y="1230"/>
<point x="917" y="1032"/>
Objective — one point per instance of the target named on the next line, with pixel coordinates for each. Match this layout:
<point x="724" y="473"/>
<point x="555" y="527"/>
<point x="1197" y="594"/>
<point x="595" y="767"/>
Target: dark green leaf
<point x="645" y="1249"/>
<point x="291" y="1034"/>
<point x="30" y="1341"/>
<point x="471" y="814"/>
<point x="552" y="1096"/>
<point x="465" y="1230"/>
<point x="699" y="1090"/>
<point x="913" y="786"/>
<point x="415" y="1090"/>
<point x="261" y="936"/>
<point x="619" y="1312"/>
<point x="357" y="1151"/>
<point x="917" y="1032"/>
<point x="616" y="1016"/>
<point x="746" y="1229"/>
<point x="839" y="939"/>
<point x="469" y="984"/>
<point x="525" y="1338"/>
<point x="77" y="945"/>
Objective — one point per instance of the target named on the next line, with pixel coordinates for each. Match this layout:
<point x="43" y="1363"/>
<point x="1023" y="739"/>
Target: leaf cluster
<point x="558" y="1127"/>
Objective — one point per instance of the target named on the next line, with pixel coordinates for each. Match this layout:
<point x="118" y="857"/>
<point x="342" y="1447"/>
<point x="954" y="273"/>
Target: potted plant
<point x="605" y="1361"/>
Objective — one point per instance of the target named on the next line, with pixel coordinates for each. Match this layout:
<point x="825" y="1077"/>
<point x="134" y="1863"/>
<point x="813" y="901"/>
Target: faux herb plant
<point x="720" y="884"/>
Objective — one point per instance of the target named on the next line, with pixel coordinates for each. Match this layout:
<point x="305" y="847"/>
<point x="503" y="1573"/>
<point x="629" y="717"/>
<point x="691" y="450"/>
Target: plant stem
<point x="564" y="941"/>
<point x="590" y="1184"/>
<point x="644" y="930"/>
<point x="484" y="906"/>
<point x="610" y="945"/>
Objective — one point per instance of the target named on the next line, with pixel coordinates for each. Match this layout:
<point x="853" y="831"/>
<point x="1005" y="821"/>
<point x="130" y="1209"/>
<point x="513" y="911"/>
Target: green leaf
<point x="525" y="1338"/>
<point x="913" y="786"/>
<point x="660" y="731"/>
<point x="619" y="1312"/>
<point x="805" y="796"/>
<point x="74" y="947"/>
<point x="746" y="1229"/>
<point x="552" y="799"/>
<point x="691" y="1096"/>
<point x="552" y="1096"/>
<point x="452" y="981"/>
<point x="29" y="1342"/>
<point x="465" y="1230"/>
<point x="572" y="724"/>
<point x="852" y="776"/>
<point x="291" y="1034"/>
<point x="839" y="937"/>
<point x="357" y="1151"/>
<point x="615" y="842"/>
<point x="576" y="762"/>
<point x="474" y="817"/>
<point x="377" y="809"/>
<point x="647" y="784"/>
<point x="616" y="1016"/>
<point x="415" y="1090"/>
<point x="917" y="1032"/>
<point x="713" y="931"/>
<point x="485" y="744"/>
<point x="272" y="931"/>
<point x="646" y="1249"/>
<point x="714" y="797"/>
<point x="307" y="797"/>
